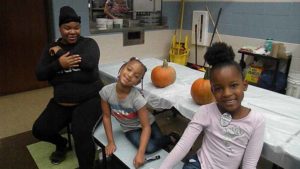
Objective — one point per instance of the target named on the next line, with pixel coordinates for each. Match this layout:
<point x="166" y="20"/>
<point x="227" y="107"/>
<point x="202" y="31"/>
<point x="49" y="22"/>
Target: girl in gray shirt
<point x="123" y="101"/>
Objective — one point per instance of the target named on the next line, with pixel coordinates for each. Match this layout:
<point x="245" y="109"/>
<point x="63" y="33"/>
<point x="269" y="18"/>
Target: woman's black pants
<point x="83" y="118"/>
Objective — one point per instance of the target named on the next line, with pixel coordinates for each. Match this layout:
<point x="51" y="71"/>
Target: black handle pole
<point x="196" y="38"/>
<point x="215" y="29"/>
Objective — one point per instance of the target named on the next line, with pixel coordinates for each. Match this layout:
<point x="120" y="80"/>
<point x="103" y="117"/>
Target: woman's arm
<point x="47" y="66"/>
<point x="107" y="8"/>
<point x="254" y="147"/>
<point x="90" y="54"/>
<point x="111" y="147"/>
<point x="145" y="135"/>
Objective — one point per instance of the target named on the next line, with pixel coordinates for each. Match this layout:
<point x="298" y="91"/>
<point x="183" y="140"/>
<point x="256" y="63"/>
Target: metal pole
<point x="196" y="46"/>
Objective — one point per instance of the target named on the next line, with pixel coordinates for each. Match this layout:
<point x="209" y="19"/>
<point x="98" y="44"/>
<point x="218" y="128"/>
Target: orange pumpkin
<point x="201" y="91"/>
<point x="163" y="76"/>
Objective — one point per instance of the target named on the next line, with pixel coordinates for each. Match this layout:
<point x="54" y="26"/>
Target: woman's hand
<point x="69" y="61"/>
<point x="139" y="160"/>
<point x="110" y="149"/>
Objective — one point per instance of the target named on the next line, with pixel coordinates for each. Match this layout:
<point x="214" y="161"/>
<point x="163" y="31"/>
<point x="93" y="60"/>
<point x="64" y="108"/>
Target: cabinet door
<point x="24" y="33"/>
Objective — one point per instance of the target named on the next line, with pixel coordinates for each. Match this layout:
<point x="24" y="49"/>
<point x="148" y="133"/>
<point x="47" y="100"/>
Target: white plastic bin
<point x="118" y="23"/>
<point x="294" y="76"/>
<point x="109" y="23"/>
<point x="101" y="23"/>
<point x="293" y="87"/>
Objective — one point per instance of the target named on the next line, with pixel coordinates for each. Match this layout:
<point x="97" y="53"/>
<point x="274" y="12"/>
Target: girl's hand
<point x="69" y="61"/>
<point x="110" y="149"/>
<point x="139" y="160"/>
<point x="53" y="50"/>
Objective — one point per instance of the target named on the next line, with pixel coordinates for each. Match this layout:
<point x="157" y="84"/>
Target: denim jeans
<point x="156" y="142"/>
<point x="192" y="163"/>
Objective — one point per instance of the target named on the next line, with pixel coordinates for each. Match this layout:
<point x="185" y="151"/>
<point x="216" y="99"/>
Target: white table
<point x="282" y="113"/>
<point x="126" y="151"/>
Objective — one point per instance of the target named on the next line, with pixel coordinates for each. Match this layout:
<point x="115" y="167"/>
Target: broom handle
<point x="213" y="22"/>
<point x="181" y="22"/>
<point x="215" y="28"/>
<point x="196" y="38"/>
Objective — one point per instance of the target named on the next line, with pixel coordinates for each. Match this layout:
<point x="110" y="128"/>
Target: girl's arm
<point x="191" y="133"/>
<point x="254" y="147"/>
<point x="145" y="135"/>
<point x="107" y="7"/>
<point x="111" y="147"/>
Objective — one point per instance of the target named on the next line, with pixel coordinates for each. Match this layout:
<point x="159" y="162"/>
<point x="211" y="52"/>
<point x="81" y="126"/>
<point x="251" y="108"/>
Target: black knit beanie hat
<point x="67" y="14"/>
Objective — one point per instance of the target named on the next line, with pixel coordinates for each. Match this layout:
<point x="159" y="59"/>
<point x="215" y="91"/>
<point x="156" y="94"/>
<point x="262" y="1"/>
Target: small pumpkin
<point x="201" y="90"/>
<point x="163" y="75"/>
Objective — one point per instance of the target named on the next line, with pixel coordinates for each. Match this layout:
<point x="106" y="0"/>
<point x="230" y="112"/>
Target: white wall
<point x="157" y="44"/>
<point x="235" y="0"/>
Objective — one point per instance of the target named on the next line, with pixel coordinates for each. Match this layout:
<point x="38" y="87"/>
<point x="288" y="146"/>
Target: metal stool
<point x="69" y="132"/>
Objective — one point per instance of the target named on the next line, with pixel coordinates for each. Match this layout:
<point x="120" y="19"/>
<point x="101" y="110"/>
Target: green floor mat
<point x="41" y="152"/>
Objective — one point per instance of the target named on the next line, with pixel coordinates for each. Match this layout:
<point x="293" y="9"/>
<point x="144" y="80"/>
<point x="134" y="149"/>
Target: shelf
<point x="97" y="9"/>
<point x="94" y="30"/>
<point x="267" y="57"/>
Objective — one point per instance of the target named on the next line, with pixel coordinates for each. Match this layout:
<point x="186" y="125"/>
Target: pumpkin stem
<point x="165" y="63"/>
<point x="207" y="73"/>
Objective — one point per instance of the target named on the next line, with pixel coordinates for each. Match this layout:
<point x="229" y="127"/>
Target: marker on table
<point x="149" y="159"/>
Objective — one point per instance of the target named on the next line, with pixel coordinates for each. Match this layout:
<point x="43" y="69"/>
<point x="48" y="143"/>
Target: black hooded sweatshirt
<point x="72" y="85"/>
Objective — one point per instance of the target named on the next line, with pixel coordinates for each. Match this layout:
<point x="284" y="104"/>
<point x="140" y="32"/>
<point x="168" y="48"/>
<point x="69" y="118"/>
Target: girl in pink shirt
<point x="233" y="134"/>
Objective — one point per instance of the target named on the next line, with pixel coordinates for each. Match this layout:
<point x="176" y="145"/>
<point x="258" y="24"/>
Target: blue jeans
<point x="156" y="142"/>
<point x="192" y="163"/>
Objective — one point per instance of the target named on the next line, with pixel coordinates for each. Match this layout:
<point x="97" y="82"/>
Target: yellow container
<point x="180" y="58"/>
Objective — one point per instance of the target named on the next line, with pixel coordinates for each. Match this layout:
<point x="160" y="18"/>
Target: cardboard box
<point x="253" y="74"/>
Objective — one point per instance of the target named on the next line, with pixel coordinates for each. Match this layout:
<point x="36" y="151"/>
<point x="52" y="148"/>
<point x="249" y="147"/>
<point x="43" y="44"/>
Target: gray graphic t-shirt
<point x="125" y="111"/>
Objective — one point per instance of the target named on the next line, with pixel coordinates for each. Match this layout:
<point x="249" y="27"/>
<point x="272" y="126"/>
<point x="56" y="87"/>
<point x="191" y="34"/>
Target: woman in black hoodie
<point x="70" y="65"/>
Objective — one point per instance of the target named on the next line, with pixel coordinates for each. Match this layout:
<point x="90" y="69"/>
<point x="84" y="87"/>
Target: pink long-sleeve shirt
<point x="238" y="144"/>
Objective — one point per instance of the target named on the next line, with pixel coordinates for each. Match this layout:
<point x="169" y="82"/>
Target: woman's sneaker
<point x="58" y="156"/>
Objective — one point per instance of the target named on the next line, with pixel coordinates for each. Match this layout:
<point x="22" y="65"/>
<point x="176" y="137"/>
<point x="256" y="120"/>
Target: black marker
<point x="149" y="159"/>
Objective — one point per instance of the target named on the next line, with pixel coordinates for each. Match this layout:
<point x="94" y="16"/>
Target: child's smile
<point x="131" y="74"/>
<point x="228" y="88"/>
